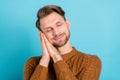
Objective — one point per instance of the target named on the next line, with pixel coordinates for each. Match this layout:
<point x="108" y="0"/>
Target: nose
<point x="55" y="32"/>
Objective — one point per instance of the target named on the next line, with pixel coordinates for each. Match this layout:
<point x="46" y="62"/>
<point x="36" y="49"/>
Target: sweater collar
<point x="69" y="54"/>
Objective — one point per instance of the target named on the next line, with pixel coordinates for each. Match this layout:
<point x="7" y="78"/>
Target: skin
<point x="54" y="37"/>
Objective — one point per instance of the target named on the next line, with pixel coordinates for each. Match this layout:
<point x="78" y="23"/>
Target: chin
<point x="60" y="44"/>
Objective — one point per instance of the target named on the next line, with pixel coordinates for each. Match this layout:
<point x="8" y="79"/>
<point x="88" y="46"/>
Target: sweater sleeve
<point x="33" y="71"/>
<point x="91" y="71"/>
<point x="63" y="72"/>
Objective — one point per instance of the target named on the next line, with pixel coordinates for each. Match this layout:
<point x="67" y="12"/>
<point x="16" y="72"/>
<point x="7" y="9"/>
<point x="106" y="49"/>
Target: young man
<point x="59" y="60"/>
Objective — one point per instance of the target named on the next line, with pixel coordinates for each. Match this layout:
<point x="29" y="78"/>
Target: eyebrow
<point x="56" y="22"/>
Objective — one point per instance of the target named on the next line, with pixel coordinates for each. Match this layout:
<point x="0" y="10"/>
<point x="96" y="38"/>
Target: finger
<point x="46" y="41"/>
<point x="44" y="49"/>
<point x="49" y="46"/>
<point x="51" y="49"/>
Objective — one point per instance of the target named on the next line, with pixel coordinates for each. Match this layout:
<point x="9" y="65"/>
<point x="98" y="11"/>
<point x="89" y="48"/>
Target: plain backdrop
<point x="95" y="29"/>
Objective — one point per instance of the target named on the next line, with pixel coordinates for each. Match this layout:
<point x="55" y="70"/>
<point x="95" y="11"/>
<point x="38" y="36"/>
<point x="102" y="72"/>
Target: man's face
<point x="56" y="29"/>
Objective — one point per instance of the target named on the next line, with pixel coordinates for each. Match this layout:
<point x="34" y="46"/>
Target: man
<point x="59" y="60"/>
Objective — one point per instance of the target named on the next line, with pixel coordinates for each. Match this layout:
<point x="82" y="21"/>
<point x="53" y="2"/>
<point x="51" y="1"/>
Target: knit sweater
<point x="74" y="66"/>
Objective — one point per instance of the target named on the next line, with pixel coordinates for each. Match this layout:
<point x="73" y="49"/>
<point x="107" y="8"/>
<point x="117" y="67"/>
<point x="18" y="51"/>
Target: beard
<point x="61" y="42"/>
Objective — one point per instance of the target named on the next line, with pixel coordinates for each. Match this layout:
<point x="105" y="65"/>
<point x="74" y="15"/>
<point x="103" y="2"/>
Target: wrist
<point x="44" y="61"/>
<point x="57" y="58"/>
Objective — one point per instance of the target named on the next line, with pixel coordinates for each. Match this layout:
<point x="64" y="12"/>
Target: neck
<point x="65" y="49"/>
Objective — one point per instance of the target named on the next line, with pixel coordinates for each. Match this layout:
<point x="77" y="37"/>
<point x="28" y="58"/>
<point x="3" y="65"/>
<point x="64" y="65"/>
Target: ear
<point x="68" y="23"/>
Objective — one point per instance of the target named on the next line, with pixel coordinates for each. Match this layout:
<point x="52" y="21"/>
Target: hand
<point x="45" y="56"/>
<point x="53" y="52"/>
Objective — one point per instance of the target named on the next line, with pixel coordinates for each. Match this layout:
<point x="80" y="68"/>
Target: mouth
<point x="59" y="37"/>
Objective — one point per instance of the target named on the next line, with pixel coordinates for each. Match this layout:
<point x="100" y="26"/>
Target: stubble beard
<point x="62" y="42"/>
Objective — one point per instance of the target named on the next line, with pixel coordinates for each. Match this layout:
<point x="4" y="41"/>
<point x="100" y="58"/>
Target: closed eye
<point x="48" y="30"/>
<point x="59" y="24"/>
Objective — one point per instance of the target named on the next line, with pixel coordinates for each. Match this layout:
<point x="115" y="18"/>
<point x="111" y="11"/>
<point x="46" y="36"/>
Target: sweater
<point x="75" y="65"/>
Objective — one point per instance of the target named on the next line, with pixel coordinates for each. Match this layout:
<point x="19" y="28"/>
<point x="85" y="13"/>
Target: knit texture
<point x="74" y="66"/>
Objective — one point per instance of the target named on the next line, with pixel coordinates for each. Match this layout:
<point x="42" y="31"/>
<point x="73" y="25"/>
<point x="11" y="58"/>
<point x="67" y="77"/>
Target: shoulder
<point x="93" y="59"/>
<point x="33" y="60"/>
<point x="91" y="62"/>
<point x="89" y="59"/>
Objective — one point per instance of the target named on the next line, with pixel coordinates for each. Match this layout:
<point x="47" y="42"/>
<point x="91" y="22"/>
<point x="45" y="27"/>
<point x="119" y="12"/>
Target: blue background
<point x="95" y="29"/>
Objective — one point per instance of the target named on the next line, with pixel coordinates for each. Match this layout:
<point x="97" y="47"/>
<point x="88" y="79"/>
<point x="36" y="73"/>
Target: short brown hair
<point x="46" y="10"/>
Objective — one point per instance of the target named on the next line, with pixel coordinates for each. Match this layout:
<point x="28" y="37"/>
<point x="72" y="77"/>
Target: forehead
<point x="51" y="19"/>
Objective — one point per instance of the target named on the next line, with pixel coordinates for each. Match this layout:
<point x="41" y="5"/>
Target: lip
<point x="59" y="37"/>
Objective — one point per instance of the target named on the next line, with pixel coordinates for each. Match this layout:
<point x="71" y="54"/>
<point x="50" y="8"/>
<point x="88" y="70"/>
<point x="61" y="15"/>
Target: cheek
<point x="66" y="29"/>
<point x="62" y="29"/>
<point x="49" y="37"/>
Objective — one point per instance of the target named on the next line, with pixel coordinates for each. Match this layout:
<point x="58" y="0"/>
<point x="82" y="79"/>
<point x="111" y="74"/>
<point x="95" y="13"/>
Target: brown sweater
<point x="74" y="66"/>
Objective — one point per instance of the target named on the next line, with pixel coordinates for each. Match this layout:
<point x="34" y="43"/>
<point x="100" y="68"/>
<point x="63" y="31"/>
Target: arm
<point x="37" y="69"/>
<point x="34" y="71"/>
<point x="63" y="72"/>
<point x="91" y="71"/>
